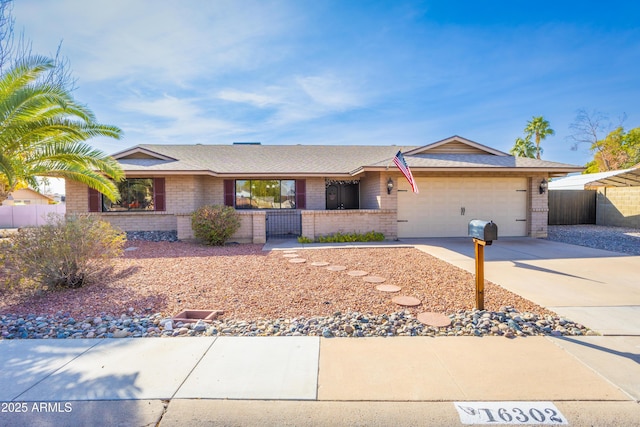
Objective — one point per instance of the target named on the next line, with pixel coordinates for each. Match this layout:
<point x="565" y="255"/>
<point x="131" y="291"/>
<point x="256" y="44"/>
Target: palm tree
<point x="538" y="127"/>
<point x="524" y="148"/>
<point x="42" y="134"/>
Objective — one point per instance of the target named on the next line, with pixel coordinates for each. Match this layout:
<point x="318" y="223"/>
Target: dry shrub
<point x="214" y="224"/>
<point x="67" y="252"/>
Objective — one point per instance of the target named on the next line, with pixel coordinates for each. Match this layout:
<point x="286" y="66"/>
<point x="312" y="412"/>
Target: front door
<point x="343" y="196"/>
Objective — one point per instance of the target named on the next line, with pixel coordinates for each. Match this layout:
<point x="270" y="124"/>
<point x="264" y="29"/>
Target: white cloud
<point x="179" y="120"/>
<point x="300" y="98"/>
<point x="169" y="41"/>
<point x="255" y="99"/>
<point x="328" y="91"/>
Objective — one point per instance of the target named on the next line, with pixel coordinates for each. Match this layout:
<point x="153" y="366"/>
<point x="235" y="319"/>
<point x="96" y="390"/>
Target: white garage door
<point x="444" y="206"/>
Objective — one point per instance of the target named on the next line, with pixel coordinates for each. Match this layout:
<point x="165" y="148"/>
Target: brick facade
<point x="538" y="212"/>
<point x="378" y="212"/>
<point x="322" y="223"/>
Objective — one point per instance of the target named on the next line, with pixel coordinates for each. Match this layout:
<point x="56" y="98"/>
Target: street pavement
<point x="313" y="381"/>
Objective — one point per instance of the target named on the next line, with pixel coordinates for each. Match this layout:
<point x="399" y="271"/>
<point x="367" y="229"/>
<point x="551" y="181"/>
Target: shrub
<point x="67" y="252"/>
<point x="215" y="224"/>
<point x="371" y="236"/>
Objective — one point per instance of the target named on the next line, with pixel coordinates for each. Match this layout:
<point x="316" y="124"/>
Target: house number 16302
<point x="531" y="413"/>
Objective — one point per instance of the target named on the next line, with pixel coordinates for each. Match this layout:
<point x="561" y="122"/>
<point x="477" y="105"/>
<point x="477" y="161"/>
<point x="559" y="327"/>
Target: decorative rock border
<point x="507" y="322"/>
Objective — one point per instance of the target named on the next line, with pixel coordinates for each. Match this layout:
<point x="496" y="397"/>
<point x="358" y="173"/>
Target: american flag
<point x="404" y="168"/>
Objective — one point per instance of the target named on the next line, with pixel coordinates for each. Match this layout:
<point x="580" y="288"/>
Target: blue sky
<point x="344" y="72"/>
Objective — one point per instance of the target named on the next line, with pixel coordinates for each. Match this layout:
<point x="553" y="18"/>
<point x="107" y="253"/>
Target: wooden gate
<point x="572" y="207"/>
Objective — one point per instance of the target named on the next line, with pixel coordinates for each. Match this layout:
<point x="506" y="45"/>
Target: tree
<point x="612" y="148"/>
<point x="632" y="144"/>
<point x="42" y="133"/>
<point x="618" y="150"/>
<point x="538" y="127"/>
<point x="590" y="128"/>
<point x="523" y="148"/>
<point x="13" y="51"/>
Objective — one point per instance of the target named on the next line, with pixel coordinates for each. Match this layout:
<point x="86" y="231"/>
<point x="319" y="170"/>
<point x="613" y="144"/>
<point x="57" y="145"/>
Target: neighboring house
<point x="617" y="197"/>
<point x="27" y="196"/>
<point x="314" y="190"/>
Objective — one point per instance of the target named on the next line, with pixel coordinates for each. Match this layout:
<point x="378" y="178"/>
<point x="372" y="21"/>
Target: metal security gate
<point x="284" y="223"/>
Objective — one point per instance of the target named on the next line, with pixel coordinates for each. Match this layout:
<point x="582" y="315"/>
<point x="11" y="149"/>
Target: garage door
<point x="444" y="206"/>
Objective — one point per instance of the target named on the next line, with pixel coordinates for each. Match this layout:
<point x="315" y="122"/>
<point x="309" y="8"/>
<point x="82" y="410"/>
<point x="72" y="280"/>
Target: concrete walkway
<point x="355" y="381"/>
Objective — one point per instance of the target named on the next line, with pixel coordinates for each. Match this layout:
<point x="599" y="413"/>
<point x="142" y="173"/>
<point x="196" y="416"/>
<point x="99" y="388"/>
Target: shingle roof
<point x="262" y="159"/>
<point x="309" y="159"/>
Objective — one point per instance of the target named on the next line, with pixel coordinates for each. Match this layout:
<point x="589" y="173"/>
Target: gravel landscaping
<point x="616" y="239"/>
<point x="264" y="293"/>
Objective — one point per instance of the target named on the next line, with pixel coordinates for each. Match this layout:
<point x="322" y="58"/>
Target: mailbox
<point x="486" y="231"/>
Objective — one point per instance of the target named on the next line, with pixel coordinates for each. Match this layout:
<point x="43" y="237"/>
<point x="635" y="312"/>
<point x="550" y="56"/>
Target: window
<point x="136" y="194"/>
<point x="265" y="194"/>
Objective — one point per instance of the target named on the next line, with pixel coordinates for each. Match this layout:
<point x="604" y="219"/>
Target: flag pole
<point x="391" y="159"/>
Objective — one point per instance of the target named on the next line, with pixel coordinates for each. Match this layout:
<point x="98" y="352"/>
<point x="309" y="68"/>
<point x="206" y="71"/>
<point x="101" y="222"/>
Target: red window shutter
<point x="94" y="200"/>
<point x="159" y="194"/>
<point x="229" y="192"/>
<point x="301" y="194"/>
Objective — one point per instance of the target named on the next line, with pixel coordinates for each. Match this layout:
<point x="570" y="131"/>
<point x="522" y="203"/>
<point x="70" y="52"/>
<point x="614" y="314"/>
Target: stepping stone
<point x="357" y="273"/>
<point x="434" y="319"/>
<point x="297" y="260"/>
<point x="289" y="251"/>
<point x="374" y="279"/>
<point x="290" y="255"/>
<point x="319" y="264"/>
<point x="388" y="288"/>
<point x="131" y="248"/>
<point x="406" y="301"/>
<point x="336" y="268"/>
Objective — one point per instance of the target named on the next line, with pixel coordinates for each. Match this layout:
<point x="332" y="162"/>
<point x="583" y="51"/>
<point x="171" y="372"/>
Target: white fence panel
<point x="28" y="215"/>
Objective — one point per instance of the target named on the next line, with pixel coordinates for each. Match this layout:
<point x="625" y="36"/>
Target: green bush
<point x="371" y="236"/>
<point x="67" y="252"/>
<point x="215" y="224"/>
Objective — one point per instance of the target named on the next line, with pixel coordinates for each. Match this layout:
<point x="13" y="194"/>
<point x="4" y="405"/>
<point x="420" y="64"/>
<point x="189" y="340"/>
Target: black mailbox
<point x="486" y="231"/>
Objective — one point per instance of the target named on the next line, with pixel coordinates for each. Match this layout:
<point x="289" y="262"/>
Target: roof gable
<point x="455" y="145"/>
<point x="139" y="152"/>
<point x="28" y="193"/>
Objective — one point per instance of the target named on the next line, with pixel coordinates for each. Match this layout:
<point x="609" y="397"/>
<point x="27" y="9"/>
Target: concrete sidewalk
<point x="315" y="381"/>
<point x="197" y="381"/>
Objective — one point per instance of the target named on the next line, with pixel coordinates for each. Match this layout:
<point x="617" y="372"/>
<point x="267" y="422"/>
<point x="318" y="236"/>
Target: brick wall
<point x="538" y="212"/>
<point x="77" y="197"/>
<point x="320" y="223"/>
<point x="373" y="190"/>
<point x="618" y="206"/>
<point x="252" y="227"/>
<point x="315" y="188"/>
<point x="148" y="221"/>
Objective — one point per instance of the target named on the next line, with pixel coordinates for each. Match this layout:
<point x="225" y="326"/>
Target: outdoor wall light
<point x="543" y="186"/>
<point x="389" y="186"/>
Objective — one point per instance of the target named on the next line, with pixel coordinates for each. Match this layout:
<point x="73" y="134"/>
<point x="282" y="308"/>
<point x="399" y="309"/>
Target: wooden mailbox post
<point x="483" y="233"/>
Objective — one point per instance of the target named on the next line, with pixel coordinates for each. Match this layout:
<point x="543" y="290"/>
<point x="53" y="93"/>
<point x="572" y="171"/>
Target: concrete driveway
<point x="597" y="288"/>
